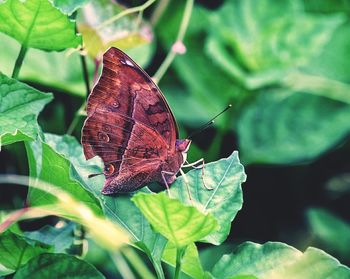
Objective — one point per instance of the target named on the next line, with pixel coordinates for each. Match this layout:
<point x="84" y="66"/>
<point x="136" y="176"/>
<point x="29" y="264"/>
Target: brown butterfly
<point x="131" y="128"/>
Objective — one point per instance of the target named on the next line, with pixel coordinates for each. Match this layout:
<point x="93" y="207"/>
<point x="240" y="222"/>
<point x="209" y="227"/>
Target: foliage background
<point x="284" y="65"/>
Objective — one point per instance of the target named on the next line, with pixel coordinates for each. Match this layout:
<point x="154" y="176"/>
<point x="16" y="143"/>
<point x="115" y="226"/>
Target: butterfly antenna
<point x="94" y="174"/>
<point x="208" y="124"/>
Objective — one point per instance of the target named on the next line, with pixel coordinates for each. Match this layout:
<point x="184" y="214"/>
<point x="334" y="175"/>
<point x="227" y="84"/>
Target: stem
<point x="179" y="254"/>
<point x="85" y="73"/>
<point x="19" y="61"/>
<point x="180" y="36"/>
<point x="122" y="265"/>
<point x="137" y="263"/>
<point x="162" y="5"/>
<point x="75" y="120"/>
<point x="125" y="12"/>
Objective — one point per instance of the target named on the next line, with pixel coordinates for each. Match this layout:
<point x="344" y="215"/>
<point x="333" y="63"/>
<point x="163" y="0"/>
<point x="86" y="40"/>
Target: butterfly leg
<point x="193" y="165"/>
<point x="165" y="181"/>
<point x="187" y="184"/>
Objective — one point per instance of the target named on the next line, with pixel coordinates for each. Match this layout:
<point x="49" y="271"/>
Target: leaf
<point x="278" y="260"/>
<point x="56" y="170"/>
<point x="62" y="70"/>
<point x="283" y="127"/>
<point x="190" y="263"/>
<point x="224" y="201"/>
<point x="59" y="266"/>
<point x="60" y="238"/>
<point x="180" y="224"/>
<point x="37" y="24"/>
<point x="69" y="6"/>
<point x="271" y="35"/>
<point x="16" y="250"/>
<point x="20" y="105"/>
<point x="119" y="209"/>
<point x="330" y="230"/>
<point x="125" y="33"/>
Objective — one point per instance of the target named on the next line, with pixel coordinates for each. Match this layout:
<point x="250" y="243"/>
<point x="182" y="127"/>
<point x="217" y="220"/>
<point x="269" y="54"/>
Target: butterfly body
<point x="131" y="128"/>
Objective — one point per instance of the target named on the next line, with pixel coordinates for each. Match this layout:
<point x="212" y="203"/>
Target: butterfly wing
<point x="129" y="124"/>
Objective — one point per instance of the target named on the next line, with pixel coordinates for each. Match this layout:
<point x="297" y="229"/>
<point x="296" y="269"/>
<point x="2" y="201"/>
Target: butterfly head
<point x="183" y="146"/>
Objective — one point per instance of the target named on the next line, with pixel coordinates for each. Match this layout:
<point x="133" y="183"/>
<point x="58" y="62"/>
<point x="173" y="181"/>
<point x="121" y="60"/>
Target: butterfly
<point x="131" y="127"/>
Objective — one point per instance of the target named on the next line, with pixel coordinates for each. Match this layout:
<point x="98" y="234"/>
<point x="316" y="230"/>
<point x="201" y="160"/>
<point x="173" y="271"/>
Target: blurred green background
<point x="285" y="68"/>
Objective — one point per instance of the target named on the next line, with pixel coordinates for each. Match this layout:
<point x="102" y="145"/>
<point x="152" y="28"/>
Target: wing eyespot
<point x="109" y="169"/>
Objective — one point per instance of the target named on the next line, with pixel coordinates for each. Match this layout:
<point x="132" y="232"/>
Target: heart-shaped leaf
<point x="37" y="24"/>
<point x="284" y="127"/>
<point x="224" y="201"/>
<point x="16" y="250"/>
<point x="20" y="105"/>
<point x="48" y="266"/>
<point x="180" y="224"/>
<point x="278" y="260"/>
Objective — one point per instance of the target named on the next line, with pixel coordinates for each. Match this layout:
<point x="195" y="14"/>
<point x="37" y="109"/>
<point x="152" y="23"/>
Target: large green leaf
<point x="63" y="70"/>
<point x="37" y="24"/>
<point x="50" y="266"/>
<point x="278" y="260"/>
<point x="283" y="127"/>
<point x="58" y="171"/>
<point x="16" y="250"/>
<point x="332" y="232"/>
<point x="224" y="201"/>
<point x="271" y="34"/>
<point x="20" y="105"/>
<point x="119" y="209"/>
<point x="180" y="224"/>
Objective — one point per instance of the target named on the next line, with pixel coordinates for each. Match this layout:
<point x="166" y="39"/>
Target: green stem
<point x="122" y="265"/>
<point x="180" y="36"/>
<point x="126" y="12"/>
<point x="158" y="12"/>
<point x="19" y="61"/>
<point x="75" y="120"/>
<point x="137" y="263"/>
<point x="179" y="254"/>
<point x="85" y="74"/>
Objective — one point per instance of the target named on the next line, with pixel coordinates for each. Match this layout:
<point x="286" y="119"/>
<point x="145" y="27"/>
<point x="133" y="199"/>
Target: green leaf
<point x="125" y="33"/>
<point x="37" y="24"/>
<point x="69" y="6"/>
<point x="271" y="34"/>
<point x="61" y="238"/>
<point x="63" y="71"/>
<point x="59" y="266"/>
<point x="119" y="209"/>
<point x="278" y="260"/>
<point x="16" y="250"/>
<point x="224" y="201"/>
<point x="56" y="170"/>
<point x="20" y="105"/>
<point x="330" y="230"/>
<point x="190" y="263"/>
<point x="180" y="224"/>
<point x="283" y="127"/>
